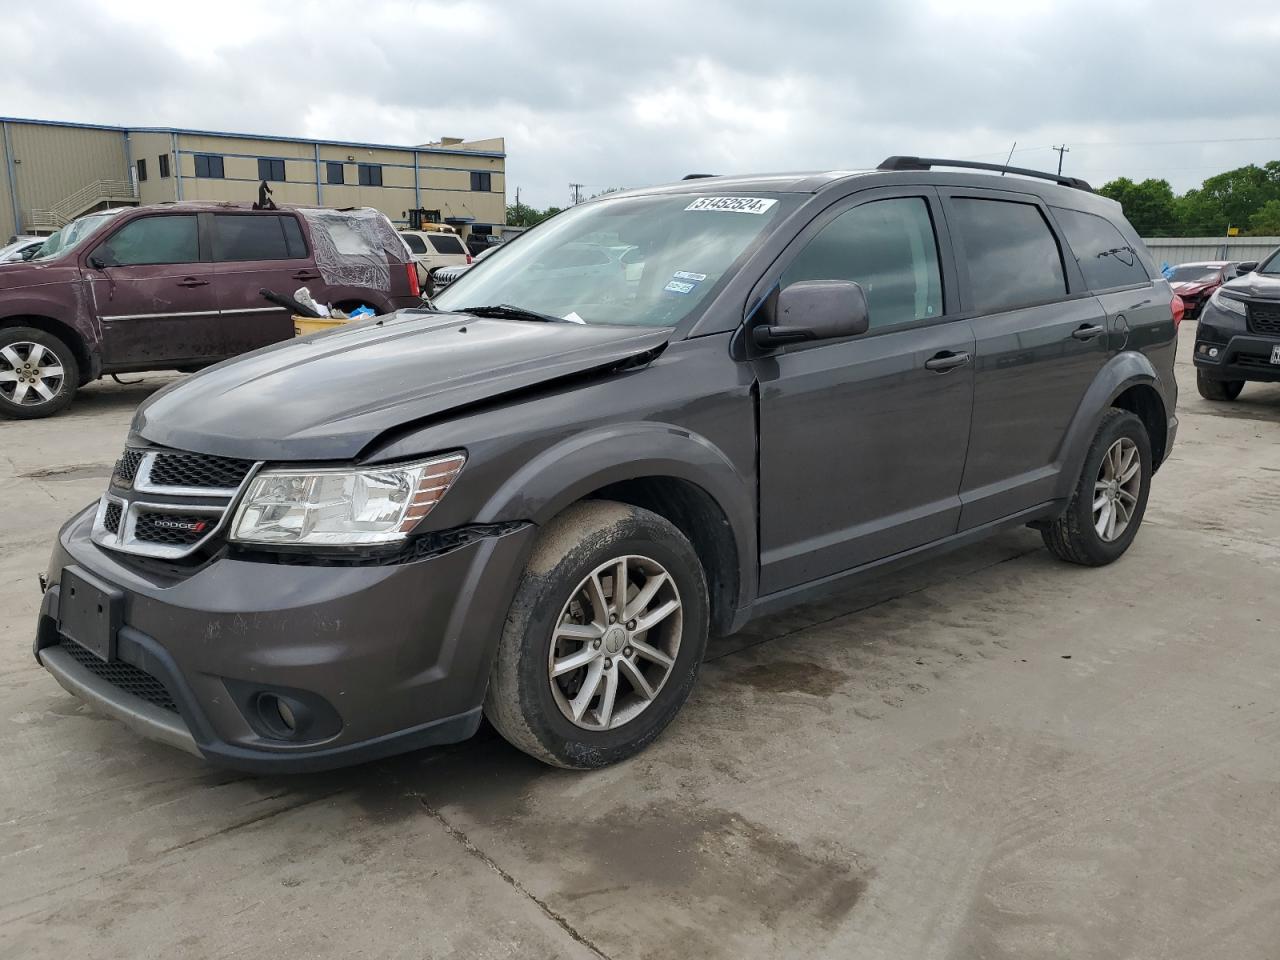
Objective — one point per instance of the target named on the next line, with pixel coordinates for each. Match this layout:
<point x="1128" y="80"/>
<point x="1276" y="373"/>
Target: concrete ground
<point x="994" y="755"/>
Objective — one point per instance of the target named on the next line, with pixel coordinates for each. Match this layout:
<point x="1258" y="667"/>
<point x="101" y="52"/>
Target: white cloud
<point x="612" y="95"/>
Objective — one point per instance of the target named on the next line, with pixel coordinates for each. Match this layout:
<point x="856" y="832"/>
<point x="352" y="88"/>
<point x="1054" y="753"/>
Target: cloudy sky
<point x="613" y="94"/>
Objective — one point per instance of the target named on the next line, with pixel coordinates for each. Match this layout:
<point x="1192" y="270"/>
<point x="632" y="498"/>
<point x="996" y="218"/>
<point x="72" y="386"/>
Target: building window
<point x="164" y="165"/>
<point x="370" y="175"/>
<point x="334" y="173"/>
<point x="271" y="170"/>
<point x="142" y="170"/>
<point x="481" y="180"/>
<point x="208" y="166"/>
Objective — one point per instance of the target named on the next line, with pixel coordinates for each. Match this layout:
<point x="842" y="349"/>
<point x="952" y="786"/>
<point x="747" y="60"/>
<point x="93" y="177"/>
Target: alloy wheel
<point x="30" y="373"/>
<point x="1115" y="492"/>
<point x="615" y="643"/>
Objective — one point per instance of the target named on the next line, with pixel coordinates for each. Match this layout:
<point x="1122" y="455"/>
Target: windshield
<point x="646" y="261"/>
<point x="72" y="235"/>
<point x="1195" y="274"/>
<point x="1271" y="265"/>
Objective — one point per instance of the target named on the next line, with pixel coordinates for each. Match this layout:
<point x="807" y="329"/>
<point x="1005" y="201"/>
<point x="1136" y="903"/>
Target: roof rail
<point x="698" y="176"/>
<point x="926" y="163"/>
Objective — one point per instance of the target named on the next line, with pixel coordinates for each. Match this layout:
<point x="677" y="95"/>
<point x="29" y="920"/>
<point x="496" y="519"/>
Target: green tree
<point x="1266" y="221"/>
<point x="1149" y="205"/>
<point x="527" y="216"/>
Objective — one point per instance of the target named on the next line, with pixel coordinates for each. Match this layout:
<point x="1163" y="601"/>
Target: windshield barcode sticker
<point x="732" y="204"/>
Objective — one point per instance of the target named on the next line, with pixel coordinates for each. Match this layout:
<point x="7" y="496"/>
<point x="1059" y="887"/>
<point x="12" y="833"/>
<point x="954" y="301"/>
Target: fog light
<point x="286" y="715"/>
<point x="1213" y="353"/>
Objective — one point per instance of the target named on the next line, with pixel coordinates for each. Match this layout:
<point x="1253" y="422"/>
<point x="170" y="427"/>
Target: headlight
<point x="1227" y="304"/>
<point x="343" y="507"/>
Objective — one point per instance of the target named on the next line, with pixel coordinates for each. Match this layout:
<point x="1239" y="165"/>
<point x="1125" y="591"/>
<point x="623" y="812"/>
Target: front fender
<point x="580" y="464"/>
<point x="1121" y="372"/>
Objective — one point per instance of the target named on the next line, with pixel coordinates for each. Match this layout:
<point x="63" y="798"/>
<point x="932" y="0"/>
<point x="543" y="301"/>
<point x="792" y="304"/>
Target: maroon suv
<point x="179" y="286"/>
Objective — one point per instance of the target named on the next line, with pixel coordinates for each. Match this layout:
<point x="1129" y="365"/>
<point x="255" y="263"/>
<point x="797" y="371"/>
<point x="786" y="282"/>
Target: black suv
<point x="537" y="499"/>
<point x="1238" y="336"/>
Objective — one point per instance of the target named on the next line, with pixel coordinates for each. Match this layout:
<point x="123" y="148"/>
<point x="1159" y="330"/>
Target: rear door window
<point x="447" y="244"/>
<point x="152" y="240"/>
<point x="1012" y="254"/>
<point x="887" y="246"/>
<point x="239" y="237"/>
<point x="415" y="242"/>
<point x="1104" y="255"/>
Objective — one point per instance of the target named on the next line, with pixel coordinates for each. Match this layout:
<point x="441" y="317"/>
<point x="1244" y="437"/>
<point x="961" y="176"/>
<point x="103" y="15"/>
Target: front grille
<point x="1264" y="318"/>
<point x="172" y="529"/>
<point x="198" y="470"/>
<point x="126" y="468"/>
<point x="111" y="519"/>
<point x="125" y="676"/>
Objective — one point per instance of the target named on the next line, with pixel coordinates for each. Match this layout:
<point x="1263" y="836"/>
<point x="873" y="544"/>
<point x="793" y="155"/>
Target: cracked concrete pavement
<point x="991" y="755"/>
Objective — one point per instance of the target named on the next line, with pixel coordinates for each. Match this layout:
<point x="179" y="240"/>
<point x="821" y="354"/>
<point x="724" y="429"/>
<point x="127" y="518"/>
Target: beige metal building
<point x="52" y="172"/>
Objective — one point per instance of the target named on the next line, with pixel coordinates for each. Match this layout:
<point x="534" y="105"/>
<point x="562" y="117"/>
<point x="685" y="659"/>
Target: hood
<point x="326" y="397"/>
<point x="26" y="273"/>
<point x="1257" y="286"/>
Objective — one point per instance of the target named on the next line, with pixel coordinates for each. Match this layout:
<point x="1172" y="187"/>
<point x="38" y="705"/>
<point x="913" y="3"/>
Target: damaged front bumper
<point x="287" y="667"/>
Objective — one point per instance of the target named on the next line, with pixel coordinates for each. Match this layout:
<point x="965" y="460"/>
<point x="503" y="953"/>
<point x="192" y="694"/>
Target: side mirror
<point x="97" y="262"/>
<point x="815" y="310"/>
<point x="1248" y="266"/>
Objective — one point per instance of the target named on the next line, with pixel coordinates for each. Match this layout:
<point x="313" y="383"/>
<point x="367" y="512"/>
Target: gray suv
<point x="536" y="500"/>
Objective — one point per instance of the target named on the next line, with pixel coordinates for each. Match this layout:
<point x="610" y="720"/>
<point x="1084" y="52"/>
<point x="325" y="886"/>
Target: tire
<point x="23" y="387"/>
<point x="531" y="708"/>
<point x="1218" y="389"/>
<point x="1074" y="536"/>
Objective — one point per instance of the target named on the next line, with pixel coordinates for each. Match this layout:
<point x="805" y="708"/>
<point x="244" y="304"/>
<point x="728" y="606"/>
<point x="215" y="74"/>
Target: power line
<point x="1061" y="150"/>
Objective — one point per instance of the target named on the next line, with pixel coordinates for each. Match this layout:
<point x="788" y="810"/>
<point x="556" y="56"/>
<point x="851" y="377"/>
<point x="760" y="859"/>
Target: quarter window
<point x="1012" y="255"/>
<point x="370" y="175"/>
<point x="152" y="240"/>
<point x="887" y="246"/>
<point x="238" y="237"/>
<point x="209" y="166"/>
<point x="1106" y="259"/>
<point x="269" y="169"/>
<point x="446" y="243"/>
<point x="481" y="180"/>
<point x="333" y="172"/>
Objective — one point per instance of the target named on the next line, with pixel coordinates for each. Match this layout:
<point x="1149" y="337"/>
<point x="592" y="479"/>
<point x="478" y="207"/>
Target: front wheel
<point x="603" y="640"/>
<point x="1218" y="389"/>
<point x="38" y="373"/>
<point x="1110" y="498"/>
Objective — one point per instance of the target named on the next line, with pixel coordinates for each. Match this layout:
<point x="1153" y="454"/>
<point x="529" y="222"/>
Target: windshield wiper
<point x="507" y="311"/>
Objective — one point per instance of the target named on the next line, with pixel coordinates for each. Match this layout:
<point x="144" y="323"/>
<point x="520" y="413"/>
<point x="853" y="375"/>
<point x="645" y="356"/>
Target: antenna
<point x="1009" y="158"/>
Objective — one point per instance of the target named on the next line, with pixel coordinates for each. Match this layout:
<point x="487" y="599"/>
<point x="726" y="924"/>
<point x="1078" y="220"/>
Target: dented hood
<point x="327" y="397"/>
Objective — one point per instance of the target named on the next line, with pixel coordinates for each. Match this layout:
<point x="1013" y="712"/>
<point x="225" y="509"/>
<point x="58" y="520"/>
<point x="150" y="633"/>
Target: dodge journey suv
<point x="534" y="501"/>
<point x="178" y="286"/>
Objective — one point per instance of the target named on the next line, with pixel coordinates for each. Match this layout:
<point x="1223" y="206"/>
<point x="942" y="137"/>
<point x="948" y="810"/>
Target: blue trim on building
<point x="254" y="136"/>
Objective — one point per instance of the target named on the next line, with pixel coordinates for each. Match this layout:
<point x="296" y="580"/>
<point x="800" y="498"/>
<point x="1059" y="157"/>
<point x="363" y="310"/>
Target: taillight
<point x="1178" y="308"/>
<point x="414" y="289"/>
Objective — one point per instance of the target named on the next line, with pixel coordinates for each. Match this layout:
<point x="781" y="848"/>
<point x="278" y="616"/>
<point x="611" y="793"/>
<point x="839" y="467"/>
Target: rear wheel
<point x="38" y="373"/>
<point x="1110" y="498"/>
<point x="1218" y="389"/>
<point x="603" y="640"/>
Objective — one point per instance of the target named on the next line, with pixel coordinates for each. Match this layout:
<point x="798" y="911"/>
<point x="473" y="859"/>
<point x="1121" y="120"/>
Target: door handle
<point x="1088" y="332"/>
<point x="192" y="282"/>
<point x="946" y="360"/>
<point x="305" y="275"/>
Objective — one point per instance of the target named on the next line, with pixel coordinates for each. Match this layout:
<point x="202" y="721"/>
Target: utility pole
<point x="577" y="193"/>
<point x="518" y="217"/>
<point x="1061" y="150"/>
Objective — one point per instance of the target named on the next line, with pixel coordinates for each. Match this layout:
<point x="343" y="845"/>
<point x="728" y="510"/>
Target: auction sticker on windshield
<point x="732" y="204"/>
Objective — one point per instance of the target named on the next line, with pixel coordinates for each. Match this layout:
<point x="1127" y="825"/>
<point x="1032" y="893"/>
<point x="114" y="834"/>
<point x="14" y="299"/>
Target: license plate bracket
<point x="90" y="612"/>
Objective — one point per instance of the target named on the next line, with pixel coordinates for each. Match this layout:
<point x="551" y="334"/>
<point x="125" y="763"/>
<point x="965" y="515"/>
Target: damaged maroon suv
<point x="179" y="286"/>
